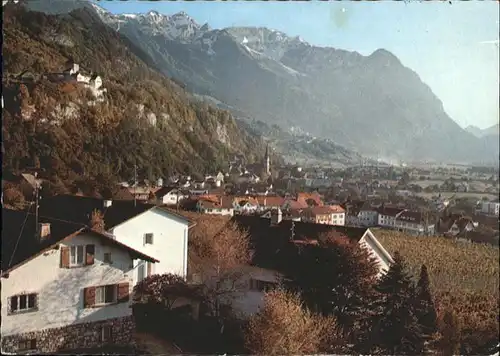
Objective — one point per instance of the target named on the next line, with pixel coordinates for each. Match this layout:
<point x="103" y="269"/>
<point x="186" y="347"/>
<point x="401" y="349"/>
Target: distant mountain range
<point x="489" y="131"/>
<point x="369" y="104"/>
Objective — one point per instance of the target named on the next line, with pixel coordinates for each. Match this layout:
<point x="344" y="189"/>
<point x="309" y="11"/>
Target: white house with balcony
<point x="64" y="286"/>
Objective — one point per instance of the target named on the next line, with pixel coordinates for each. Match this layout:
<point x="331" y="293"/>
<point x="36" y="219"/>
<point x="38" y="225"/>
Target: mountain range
<point x="372" y="105"/>
<point x="489" y="131"/>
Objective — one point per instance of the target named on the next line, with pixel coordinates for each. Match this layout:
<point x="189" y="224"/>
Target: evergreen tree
<point x="426" y="311"/>
<point x="394" y="327"/>
<point x="336" y="279"/>
<point x="450" y="334"/>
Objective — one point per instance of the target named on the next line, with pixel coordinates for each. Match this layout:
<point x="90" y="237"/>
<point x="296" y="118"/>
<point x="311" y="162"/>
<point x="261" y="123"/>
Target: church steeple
<point x="267" y="162"/>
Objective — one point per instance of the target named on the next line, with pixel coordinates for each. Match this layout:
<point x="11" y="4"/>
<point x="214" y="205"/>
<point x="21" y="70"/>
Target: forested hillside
<point x="144" y="118"/>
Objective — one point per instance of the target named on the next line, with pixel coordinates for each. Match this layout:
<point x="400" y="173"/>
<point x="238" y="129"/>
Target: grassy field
<point x="453" y="266"/>
<point x="478" y="196"/>
<point x="426" y="183"/>
<point x="475" y="185"/>
<point x="464" y="278"/>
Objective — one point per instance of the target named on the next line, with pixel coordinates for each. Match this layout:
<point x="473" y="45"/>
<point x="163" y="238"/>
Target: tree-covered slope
<point x="145" y="118"/>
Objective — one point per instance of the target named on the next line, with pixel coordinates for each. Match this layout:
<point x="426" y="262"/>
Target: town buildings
<point x="490" y="208"/>
<point x="400" y="219"/>
<point x="331" y="215"/>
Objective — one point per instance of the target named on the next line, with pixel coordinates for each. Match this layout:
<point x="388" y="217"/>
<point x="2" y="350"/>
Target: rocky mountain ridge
<point x="370" y="104"/>
<point x="489" y="131"/>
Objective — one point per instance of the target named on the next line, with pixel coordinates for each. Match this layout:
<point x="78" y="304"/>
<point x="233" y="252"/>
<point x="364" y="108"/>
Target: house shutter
<point x="89" y="258"/>
<point x="89" y="297"/>
<point x="123" y="292"/>
<point x="64" y="257"/>
<point x="149" y="264"/>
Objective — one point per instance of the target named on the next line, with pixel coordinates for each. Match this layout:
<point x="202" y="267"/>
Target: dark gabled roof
<point x="411" y="216"/>
<point x="353" y="206"/>
<point x="20" y="244"/>
<point x="123" y="193"/>
<point x="389" y="210"/>
<point x="267" y="239"/>
<point x="27" y="243"/>
<point x="160" y="193"/>
<point x="79" y="209"/>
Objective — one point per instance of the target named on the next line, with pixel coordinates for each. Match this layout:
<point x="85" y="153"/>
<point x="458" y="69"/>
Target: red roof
<point x="336" y="208"/>
<point x="320" y="210"/>
<point x="294" y="204"/>
<point x="271" y="201"/>
<point x="214" y="202"/>
<point x="304" y="197"/>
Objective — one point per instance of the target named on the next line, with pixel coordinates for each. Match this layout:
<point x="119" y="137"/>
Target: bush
<point x="14" y="198"/>
<point x="284" y="327"/>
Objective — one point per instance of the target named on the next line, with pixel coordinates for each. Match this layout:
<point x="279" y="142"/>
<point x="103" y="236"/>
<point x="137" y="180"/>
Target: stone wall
<point x="77" y="336"/>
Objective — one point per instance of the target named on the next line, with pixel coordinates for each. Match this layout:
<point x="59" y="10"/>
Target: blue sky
<point x="449" y="45"/>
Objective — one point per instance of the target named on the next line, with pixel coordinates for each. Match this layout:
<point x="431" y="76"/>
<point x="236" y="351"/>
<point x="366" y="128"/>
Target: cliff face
<point x="143" y="117"/>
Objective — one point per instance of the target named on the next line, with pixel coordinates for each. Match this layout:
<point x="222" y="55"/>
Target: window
<point x="107" y="257"/>
<point x="106" y="333"/>
<point x="25" y="345"/>
<point x="106" y="294"/>
<point x="261" y="286"/>
<point x="23" y="303"/>
<point x="148" y="239"/>
<point x="77" y="254"/>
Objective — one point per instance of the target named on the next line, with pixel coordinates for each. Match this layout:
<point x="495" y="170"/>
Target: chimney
<point x="43" y="231"/>
<point x="108" y="203"/>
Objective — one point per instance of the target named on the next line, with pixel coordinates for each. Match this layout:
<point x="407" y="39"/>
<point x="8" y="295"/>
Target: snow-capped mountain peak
<point x="130" y="16"/>
<point x="178" y="26"/>
<point x="100" y="11"/>
<point x="270" y="43"/>
<point x="181" y="14"/>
